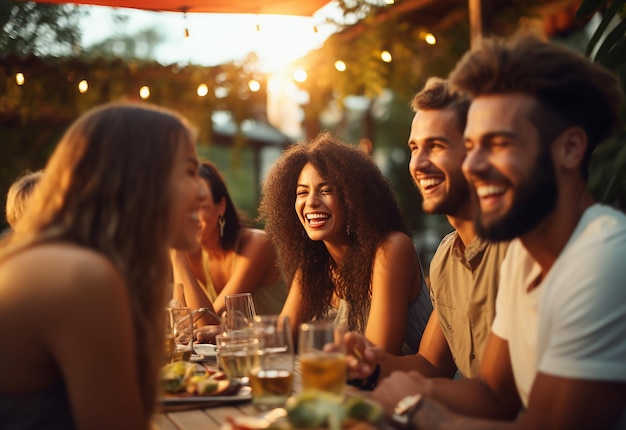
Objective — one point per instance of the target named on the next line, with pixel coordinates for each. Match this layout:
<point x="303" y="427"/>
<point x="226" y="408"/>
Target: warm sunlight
<point x="214" y="38"/>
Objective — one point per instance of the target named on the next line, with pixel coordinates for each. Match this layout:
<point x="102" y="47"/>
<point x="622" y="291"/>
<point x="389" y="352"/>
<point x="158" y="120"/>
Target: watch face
<point x="407" y="403"/>
<point x="404" y="409"/>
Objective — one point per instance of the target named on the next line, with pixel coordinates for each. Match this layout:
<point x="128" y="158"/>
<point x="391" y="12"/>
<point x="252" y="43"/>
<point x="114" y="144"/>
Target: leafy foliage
<point x="607" y="46"/>
<point x="33" y="28"/>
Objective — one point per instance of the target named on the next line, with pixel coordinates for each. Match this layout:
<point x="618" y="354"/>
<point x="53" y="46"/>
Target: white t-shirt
<point x="573" y="324"/>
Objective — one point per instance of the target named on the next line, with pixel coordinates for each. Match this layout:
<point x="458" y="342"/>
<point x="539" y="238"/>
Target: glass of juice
<point x="322" y="357"/>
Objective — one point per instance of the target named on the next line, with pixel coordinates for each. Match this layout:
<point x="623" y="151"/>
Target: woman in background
<point x="83" y="277"/>
<point x="343" y="244"/>
<point x="231" y="258"/>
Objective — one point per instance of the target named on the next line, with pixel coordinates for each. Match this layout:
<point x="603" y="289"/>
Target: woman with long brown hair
<point x="83" y="277"/>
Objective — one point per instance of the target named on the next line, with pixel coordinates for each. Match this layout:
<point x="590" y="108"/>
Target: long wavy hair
<point x="107" y="187"/>
<point x="371" y="211"/>
<point x="214" y="179"/>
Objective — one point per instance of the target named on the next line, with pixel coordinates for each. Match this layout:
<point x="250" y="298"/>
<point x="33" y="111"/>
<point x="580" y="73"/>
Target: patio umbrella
<point x="281" y="7"/>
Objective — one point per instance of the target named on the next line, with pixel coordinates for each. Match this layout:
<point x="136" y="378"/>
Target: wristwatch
<point x="405" y="409"/>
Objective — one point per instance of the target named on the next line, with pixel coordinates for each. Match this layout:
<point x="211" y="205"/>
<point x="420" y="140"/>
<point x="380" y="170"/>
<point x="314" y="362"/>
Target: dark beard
<point x="534" y="200"/>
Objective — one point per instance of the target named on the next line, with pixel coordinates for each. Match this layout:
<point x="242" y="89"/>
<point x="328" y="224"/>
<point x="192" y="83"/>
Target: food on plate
<point x="313" y="408"/>
<point x="185" y="377"/>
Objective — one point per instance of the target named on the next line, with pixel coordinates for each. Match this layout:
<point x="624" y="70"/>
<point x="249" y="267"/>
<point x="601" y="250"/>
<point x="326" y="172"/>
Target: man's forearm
<point x="389" y="363"/>
<point x="471" y="397"/>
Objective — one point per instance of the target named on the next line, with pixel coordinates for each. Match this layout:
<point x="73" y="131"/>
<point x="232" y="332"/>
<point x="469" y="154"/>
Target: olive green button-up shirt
<point x="464" y="283"/>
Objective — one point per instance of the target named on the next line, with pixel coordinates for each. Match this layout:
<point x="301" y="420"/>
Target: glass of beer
<point x="272" y="380"/>
<point x="237" y="354"/>
<point x="322" y="357"/>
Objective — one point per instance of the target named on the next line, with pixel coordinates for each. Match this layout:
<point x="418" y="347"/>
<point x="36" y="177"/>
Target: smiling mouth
<point x="426" y="184"/>
<point x="317" y="219"/>
<point x="486" y="191"/>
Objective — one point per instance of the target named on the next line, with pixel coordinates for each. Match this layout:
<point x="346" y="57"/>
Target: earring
<point x="221" y="221"/>
<point x="348" y="230"/>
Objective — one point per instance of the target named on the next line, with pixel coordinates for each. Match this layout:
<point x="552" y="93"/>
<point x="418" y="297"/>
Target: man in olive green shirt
<point x="464" y="270"/>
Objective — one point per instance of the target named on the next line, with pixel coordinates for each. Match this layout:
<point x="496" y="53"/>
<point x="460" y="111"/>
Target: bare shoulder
<point x="396" y="242"/>
<point x="59" y="270"/>
<point x="254" y="239"/>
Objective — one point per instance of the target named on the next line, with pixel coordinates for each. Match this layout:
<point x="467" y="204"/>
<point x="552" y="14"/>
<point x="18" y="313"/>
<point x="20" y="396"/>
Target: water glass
<point x="272" y="380"/>
<point x="322" y="357"/>
<point x="237" y="354"/>
<point x="241" y="302"/>
<point x="179" y="334"/>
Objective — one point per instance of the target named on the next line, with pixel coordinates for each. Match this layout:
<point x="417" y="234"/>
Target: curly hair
<point x="570" y="89"/>
<point x="371" y="211"/>
<point x="106" y="187"/>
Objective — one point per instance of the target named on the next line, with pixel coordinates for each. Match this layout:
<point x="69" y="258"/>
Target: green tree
<point x="39" y="29"/>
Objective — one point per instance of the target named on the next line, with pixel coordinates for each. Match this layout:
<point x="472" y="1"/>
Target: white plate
<point x="205" y="349"/>
<point x="245" y="393"/>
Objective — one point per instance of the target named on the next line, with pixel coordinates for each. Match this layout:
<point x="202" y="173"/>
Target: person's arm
<point x="256" y="258"/>
<point x="90" y="333"/>
<point x="492" y="395"/>
<point x="393" y="270"/>
<point x="293" y="307"/>
<point x="194" y="294"/>
<point x="433" y="359"/>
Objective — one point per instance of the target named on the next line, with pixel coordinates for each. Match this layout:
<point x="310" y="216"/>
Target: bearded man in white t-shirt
<point x="558" y="341"/>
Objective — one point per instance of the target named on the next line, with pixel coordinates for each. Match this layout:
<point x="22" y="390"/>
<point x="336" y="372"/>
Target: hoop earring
<point x="221" y="221"/>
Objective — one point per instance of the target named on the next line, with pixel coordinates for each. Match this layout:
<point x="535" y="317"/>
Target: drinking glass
<point x="241" y="302"/>
<point x="180" y="332"/>
<point x="272" y="380"/>
<point x="322" y="357"/>
<point x="176" y="296"/>
<point x="237" y="354"/>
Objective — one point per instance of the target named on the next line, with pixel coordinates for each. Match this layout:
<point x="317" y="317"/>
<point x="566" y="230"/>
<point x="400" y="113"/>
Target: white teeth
<point x="489" y="190"/>
<point x="316" y="216"/>
<point x="430" y="182"/>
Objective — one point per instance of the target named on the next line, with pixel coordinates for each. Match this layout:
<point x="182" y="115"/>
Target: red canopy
<point x="281" y="7"/>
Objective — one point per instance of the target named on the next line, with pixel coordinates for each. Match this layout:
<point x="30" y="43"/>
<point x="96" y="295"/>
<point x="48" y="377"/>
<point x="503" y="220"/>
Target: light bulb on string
<point x="340" y="66"/>
<point x="83" y="86"/>
<point x="386" y="56"/>
<point x="186" y="33"/>
<point x="19" y="78"/>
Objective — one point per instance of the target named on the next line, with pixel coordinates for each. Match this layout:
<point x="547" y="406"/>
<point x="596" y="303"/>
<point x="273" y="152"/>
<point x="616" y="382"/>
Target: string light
<point x="83" y="86"/>
<point x="202" y="90"/>
<point x="186" y="24"/>
<point x="386" y="56"/>
<point x="19" y="78"/>
<point x="428" y="37"/>
<point x="254" y="85"/>
<point x="299" y="75"/>
<point x="340" y="66"/>
<point x="144" y="92"/>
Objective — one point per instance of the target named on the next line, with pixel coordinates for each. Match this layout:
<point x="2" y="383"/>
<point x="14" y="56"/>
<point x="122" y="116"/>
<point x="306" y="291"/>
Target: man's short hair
<point x="436" y="95"/>
<point x="569" y="88"/>
<point x="19" y="194"/>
